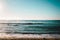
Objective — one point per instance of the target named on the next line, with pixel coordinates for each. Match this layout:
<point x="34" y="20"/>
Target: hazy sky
<point x="29" y="9"/>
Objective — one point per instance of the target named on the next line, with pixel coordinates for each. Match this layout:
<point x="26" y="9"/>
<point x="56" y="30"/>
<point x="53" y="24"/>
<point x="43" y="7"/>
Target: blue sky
<point x="30" y="9"/>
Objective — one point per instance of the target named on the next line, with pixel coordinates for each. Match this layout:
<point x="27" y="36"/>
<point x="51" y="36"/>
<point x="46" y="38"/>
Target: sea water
<point x="30" y="26"/>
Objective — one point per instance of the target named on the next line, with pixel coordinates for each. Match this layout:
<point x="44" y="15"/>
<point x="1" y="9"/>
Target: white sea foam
<point x="3" y="35"/>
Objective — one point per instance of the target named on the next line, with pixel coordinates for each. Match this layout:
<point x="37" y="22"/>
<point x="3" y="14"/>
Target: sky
<point x="29" y="9"/>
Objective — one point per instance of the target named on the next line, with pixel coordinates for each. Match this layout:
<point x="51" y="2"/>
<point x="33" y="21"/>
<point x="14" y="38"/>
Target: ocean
<point x="30" y="26"/>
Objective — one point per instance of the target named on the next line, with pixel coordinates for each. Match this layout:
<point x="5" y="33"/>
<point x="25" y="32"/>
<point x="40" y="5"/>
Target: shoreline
<point x="4" y="35"/>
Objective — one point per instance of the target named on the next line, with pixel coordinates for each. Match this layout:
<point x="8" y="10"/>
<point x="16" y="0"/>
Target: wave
<point x="31" y="27"/>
